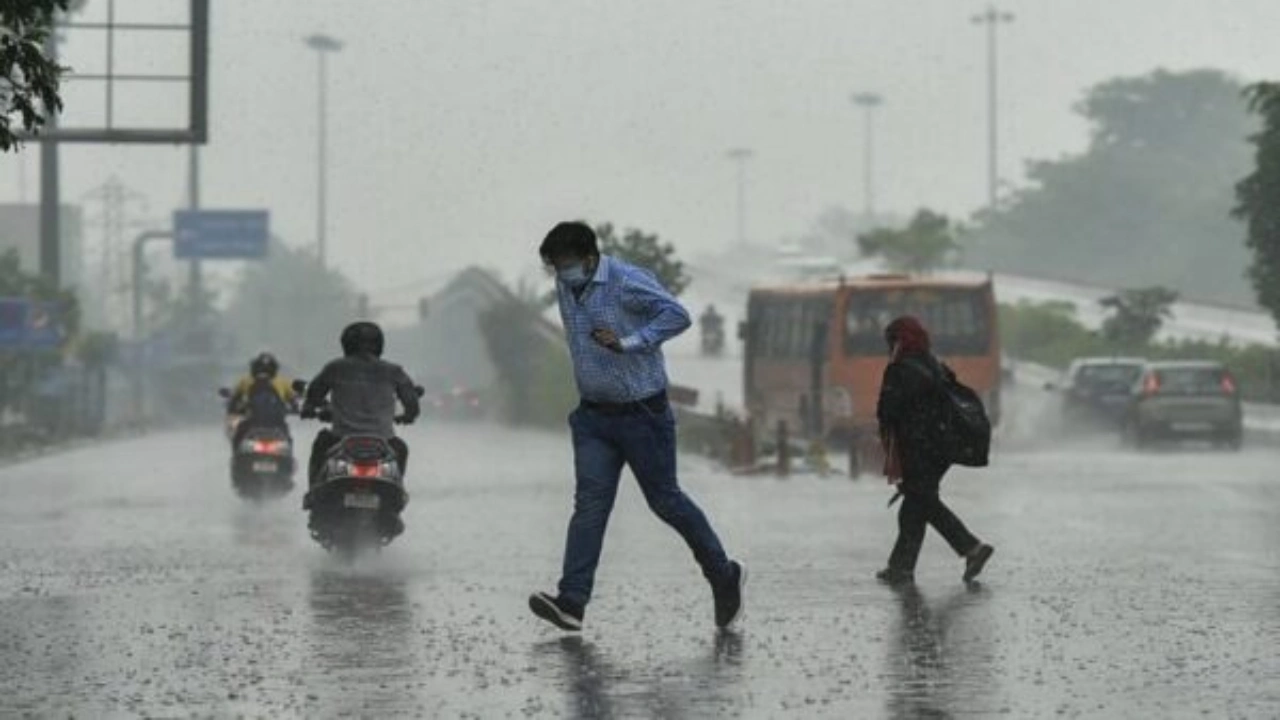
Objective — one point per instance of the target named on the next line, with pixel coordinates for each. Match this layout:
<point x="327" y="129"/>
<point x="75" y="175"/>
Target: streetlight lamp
<point x="868" y="101"/>
<point x="323" y="45"/>
<point x="992" y="18"/>
<point x="740" y="156"/>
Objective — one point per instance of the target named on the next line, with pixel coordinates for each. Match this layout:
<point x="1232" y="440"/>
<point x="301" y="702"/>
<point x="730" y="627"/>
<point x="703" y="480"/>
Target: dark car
<point x="459" y="403"/>
<point x="1178" y="400"/>
<point x="1096" y="390"/>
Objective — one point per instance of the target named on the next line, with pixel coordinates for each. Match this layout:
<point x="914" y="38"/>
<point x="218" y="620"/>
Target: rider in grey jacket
<point x="362" y="389"/>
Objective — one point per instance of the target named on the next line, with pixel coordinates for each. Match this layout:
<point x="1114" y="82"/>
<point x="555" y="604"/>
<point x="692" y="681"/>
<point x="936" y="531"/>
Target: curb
<point x="65" y="446"/>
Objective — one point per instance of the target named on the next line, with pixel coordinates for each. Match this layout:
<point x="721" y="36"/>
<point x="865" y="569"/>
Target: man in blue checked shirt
<point x="616" y="317"/>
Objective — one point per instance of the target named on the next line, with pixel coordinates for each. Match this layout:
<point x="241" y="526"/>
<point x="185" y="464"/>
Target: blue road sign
<point x="220" y="234"/>
<point x="13" y="321"/>
<point x="44" y="326"/>
<point x="31" y="325"/>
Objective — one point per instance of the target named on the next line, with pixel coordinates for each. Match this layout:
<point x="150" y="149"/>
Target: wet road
<point x="133" y="583"/>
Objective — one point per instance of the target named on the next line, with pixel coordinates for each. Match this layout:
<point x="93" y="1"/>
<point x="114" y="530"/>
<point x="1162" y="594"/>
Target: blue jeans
<point x="645" y="442"/>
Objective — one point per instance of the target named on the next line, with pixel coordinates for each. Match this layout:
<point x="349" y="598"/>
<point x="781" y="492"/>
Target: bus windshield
<point x="957" y="318"/>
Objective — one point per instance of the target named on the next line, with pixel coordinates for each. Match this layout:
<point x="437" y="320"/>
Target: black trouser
<point x="326" y="439"/>
<point x="920" y="509"/>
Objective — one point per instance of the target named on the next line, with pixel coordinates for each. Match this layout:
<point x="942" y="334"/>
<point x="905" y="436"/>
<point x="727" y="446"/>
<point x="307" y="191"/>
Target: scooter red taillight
<point x="365" y="470"/>
<point x="268" y="447"/>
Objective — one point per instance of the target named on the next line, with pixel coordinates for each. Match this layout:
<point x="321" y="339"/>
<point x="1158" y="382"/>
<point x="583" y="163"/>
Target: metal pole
<point x="868" y="169"/>
<point x="323" y="45"/>
<point x="22" y="178"/>
<point x="740" y="157"/>
<point x="991" y="18"/>
<point x="139" y="332"/>
<point x="868" y="101"/>
<point x="50" y="233"/>
<point x="193" y="202"/>
<point x="321" y="189"/>
<point x="139" y="275"/>
<point x="199" y="97"/>
<point x="742" y="202"/>
<point x="993" y="152"/>
<point x="111" y="60"/>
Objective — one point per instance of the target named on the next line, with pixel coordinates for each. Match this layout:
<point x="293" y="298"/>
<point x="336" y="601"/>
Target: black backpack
<point x="265" y="406"/>
<point x="966" y="435"/>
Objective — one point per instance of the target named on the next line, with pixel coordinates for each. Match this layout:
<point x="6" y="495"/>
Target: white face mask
<point x="574" y="276"/>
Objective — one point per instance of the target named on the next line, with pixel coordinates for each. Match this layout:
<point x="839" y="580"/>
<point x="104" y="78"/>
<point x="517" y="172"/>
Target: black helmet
<point x="362" y="337"/>
<point x="265" y="364"/>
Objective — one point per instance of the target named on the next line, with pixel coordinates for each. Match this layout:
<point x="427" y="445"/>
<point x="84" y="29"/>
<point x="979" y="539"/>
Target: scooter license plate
<point x="363" y="501"/>
<point x="266" y="466"/>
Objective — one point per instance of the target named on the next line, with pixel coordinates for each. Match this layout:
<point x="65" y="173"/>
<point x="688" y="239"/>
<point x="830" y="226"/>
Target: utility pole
<point x="22" y="178"/>
<point x="740" y="156"/>
<point x="193" y="203"/>
<point x="50" y="232"/>
<point x="868" y="101"/>
<point x="323" y="45"/>
<point x="992" y="18"/>
<point x="115" y="198"/>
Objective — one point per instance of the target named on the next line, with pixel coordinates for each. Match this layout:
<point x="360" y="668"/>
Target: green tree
<point x="15" y="282"/>
<point x="925" y="244"/>
<point x="1147" y="202"/>
<point x="535" y="377"/>
<point x="292" y="306"/>
<point x="1258" y="199"/>
<point x="1136" y="315"/>
<point x="647" y="251"/>
<point x="29" y="81"/>
<point x="1048" y="332"/>
<point x="19" y="370"/>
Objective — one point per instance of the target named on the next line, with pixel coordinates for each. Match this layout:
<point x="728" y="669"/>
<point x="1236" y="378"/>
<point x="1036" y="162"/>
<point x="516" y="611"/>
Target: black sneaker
<point x="976" y="560"/>
<point x="891" y="576"/>
<point x="728" y="595"/>
<point x="557" y="611"/>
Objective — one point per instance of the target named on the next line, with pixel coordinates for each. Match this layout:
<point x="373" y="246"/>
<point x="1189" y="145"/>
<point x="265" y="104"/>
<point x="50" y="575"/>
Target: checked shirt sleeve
<point x="664" y="317"/>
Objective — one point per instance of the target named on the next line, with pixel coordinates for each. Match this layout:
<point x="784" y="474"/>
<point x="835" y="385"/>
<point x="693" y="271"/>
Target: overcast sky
<point x="461" y="130"/>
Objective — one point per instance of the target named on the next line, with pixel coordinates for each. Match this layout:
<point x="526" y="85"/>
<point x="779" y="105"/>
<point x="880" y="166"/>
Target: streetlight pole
<point x="868" y="101"/>
<point x="323" y="45"/>
<point x="992" y="19"/>
<point x="740" y="156"/>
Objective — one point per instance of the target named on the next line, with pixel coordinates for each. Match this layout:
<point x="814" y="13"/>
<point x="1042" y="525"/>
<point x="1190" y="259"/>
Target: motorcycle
<point x="358" y="495"/>
<point x="262" y="462"/>
<point x="713" y="341"/>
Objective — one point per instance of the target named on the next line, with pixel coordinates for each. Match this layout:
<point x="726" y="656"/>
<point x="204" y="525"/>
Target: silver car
<point x="1185" y="399"/>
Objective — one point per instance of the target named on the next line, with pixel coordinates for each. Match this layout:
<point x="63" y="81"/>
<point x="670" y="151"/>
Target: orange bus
<point x="826" y="341"/>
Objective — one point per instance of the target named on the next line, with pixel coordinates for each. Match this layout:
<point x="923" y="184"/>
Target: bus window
<point x="782" y="328"/>
<point x="955" y="318"/>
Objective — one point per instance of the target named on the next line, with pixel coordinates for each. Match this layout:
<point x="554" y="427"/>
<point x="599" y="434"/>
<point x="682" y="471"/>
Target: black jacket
<point x="911" y="410"/>
<point x="364" y="390"/>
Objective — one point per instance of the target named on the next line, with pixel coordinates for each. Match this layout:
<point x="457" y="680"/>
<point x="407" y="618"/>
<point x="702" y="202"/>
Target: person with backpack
<point x="262" y="398"/>
<point x="928" y="421"/>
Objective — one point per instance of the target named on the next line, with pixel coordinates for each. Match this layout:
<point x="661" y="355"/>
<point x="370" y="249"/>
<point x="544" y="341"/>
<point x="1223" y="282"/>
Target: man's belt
<point x="654" y="405"/>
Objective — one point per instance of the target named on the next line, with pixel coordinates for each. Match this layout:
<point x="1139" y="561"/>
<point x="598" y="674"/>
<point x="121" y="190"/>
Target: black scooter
<point x="262" y="461"/>
<point x="358" y="495"/>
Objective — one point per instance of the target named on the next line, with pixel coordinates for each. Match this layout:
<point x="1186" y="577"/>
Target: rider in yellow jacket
<point x="262" y="369"/>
